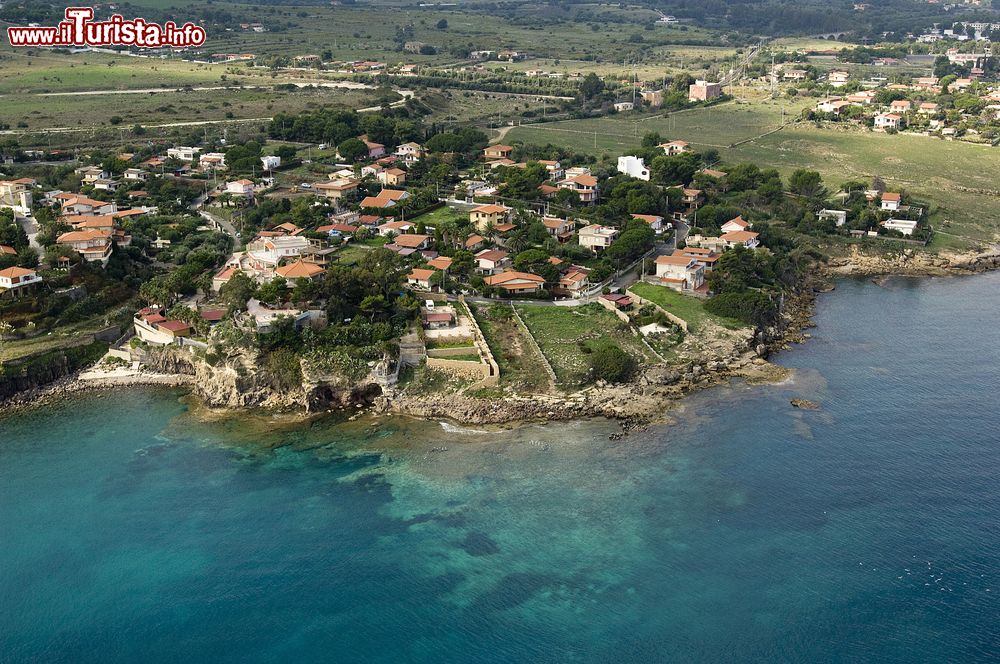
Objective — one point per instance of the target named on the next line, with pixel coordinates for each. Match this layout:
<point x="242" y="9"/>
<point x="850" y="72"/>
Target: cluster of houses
<point x="578" y="179"/>
<point x="900" y="113"/>
<point x="282" y="251"/>
<point x="685" y="269"/>
<point x="980" y="31"/>
<point x="902" y="217"/>
<point x="95" y="224"/>
<point x="194" y="159"/>
<point x="389" y="170"/>
<point x="636" y="167"/>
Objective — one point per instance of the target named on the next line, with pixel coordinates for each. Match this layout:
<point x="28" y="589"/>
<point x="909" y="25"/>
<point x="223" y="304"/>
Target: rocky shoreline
<point x="88" y="381"/>
<point x="635" y="405"/>
<point x="912" y="262"/>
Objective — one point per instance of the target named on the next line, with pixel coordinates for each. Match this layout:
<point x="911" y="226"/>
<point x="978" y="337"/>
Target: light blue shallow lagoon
<point x="133" y="529"/>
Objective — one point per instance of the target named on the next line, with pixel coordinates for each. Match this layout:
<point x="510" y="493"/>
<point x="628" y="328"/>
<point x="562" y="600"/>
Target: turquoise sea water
<point x="867" y="531"/>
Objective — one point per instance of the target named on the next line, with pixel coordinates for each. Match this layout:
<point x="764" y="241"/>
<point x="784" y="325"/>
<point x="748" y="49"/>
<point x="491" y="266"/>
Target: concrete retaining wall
<point x="121" y="354"/>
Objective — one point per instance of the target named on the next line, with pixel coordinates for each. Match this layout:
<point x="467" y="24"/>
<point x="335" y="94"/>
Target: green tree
<point x="807" y="183"/>
<point x="285" y="152"/>
<point x="273" y="291"/>
<point x="592" y="86"/>
<point x="155" y="291"/>
<point x="610" y="363"/>
<point x="237" y="291"/>
<point x="352" y="150"/>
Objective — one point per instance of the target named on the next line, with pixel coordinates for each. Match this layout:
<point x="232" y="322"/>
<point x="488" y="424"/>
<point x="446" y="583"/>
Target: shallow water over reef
<point x="134" y="530"/>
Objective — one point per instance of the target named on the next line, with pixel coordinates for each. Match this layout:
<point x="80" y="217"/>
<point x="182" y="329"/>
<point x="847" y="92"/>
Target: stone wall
<point x="610" y="306"/>
<point x="680" y="322"/>
<point x="493" y="377"/>
<point x="467" y="367"/>
<point x="452" y="352"/>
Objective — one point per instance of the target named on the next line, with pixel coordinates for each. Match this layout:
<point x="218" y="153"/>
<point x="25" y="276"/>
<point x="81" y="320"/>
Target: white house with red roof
<point x="745" y="239"/>
<point x="94" y="246"/>
<point x="421" y="278"/>
<point x="243" y="188"/>
<point x="888" y="121"/>
<point x="655" y="221"/>
<point x="15" y="280"/>
<point x="674" y="148"/>
<point x="491" y="261"/>
<point x="395" y="228"/>
<point x="892" y="201"/>
<point x="585" y="186"/>
<point x="153" y="327"/>
<point x="737" y="224"/>
<point x="680" y="272"/>
<point x="514" y="282"/>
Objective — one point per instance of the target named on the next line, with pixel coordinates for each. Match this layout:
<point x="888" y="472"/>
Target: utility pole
<point x="774" y="76"/>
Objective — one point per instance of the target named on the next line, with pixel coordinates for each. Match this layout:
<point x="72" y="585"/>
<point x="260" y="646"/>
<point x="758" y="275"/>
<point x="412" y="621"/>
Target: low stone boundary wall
<point x="457" y="351"/>
<point x="680" y="322"/>
<point x="610" y="306"/>
<point x="460" y="366"/>
<point x="121" y="354"/>
<point x="493" y="377"/>
<point x="534" y="345"/>
<point x="430" y="295"/>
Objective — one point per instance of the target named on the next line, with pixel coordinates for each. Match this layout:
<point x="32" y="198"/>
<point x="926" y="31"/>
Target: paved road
<point x="216" y="220"/>
<point x="30" y="227"/>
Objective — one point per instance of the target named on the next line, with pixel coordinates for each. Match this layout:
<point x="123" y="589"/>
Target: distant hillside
<point x="811" y="17"/>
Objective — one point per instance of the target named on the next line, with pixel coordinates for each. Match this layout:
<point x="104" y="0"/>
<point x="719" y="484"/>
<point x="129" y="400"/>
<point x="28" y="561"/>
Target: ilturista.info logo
<point x="80" y="29"/>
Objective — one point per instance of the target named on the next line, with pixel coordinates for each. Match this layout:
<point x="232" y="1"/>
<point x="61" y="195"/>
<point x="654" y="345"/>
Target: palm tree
<point x="489" y="231"/>
<point x="448" y="231"/>
<point x="517" y="242"/>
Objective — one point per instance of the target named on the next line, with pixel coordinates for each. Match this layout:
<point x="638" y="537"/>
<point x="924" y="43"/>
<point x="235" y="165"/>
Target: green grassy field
<point x="940" y="172"/>
<point x="521" y="369"/>
<point x="943" y="173"/>
<point x="562" y="332"/>
<point x="585" y="31"/>
<point x="691" y="309"/>
<point x="43" y="112"/>
<point x="351" y="254"/>
<point x="56" y="72"/>
<point x="462" y="106"/>
<point x="541" y="29"/>
<point x="439" y="216"/>
<point x="713" y="127"/>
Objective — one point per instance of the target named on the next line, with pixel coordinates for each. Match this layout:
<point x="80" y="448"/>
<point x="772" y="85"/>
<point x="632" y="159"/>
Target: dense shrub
<point x="612" y="364"/>
<point x="750" y="306"/>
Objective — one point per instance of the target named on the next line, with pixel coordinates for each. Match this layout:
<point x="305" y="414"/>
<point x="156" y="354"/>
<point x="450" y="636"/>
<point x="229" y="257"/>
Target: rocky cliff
<point x="238" y="380"/>
<point x="914" y="262"/>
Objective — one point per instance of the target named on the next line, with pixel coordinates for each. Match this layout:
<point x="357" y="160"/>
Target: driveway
<point x="30" y="227"/>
